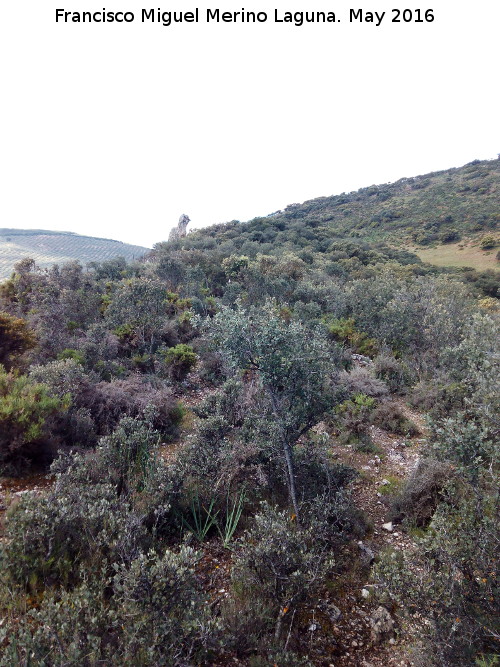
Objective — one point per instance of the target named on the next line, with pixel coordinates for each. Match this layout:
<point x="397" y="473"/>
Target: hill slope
<point x="434" y="210"/>
<point x="48" y="248"/>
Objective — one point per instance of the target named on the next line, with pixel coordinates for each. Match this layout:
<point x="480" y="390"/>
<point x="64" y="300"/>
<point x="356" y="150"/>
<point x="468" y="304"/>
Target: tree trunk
<point x="291" y="477"/>
<point x="287" y="450"/>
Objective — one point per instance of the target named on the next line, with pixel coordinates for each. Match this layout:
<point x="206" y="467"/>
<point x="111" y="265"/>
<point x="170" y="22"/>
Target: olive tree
<point x="294" y="366"/>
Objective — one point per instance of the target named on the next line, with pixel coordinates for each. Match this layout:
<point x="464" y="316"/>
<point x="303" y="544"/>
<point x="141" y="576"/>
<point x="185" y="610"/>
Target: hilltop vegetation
<point x="438" y="208"/>
<point x="214" y="421"/>
<point x="48" y="248"/>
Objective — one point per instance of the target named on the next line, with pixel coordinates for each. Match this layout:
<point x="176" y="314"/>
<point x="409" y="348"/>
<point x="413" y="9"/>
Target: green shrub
<point x="179" y="360"/>
<point x="394" y="373"/>
<point x="25" y="406"/>
<point x="68" y="353"/>
<point x="15" y="339"/>
<point x="488" y="242"/>
<point x="343" y="330"/>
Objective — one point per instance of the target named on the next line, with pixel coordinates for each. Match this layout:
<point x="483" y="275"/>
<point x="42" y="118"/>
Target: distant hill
<point x="47" y="248"/>
<point x="442" y="217"/>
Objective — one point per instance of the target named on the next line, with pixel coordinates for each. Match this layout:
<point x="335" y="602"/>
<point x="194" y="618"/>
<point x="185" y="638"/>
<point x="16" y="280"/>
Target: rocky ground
<point x="345" y="627"/>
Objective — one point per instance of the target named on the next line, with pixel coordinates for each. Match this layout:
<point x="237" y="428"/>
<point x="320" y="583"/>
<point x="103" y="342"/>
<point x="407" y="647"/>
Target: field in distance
<point x="48" y="248"/>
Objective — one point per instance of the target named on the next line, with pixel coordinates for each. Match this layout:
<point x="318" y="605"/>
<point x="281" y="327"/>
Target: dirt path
<point x="381" y="475"/>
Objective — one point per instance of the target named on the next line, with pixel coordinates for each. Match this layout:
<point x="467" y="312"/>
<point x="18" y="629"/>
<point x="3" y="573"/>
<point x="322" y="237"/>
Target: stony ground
<point x="336" y="630"/>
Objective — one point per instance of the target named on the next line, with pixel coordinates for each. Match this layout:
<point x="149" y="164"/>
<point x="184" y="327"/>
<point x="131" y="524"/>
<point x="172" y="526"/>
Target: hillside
<point x="267" y="444"/>
<point x="415" y="214"/>
<point x="47" y="248"/>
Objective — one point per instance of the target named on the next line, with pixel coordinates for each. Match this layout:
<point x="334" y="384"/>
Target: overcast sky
<point x="114" y="130"/>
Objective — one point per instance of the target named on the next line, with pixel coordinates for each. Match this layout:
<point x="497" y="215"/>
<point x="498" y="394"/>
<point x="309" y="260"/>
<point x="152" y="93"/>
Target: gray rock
<point x="388" y="527"/>
<point x="180" y="231"/>
<point x="334" y="613"/>
<point x="381" y="624"/>
<point x="366" y="554"/>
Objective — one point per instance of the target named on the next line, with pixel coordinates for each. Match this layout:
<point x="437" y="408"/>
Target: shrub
<point x="15" y="339"/>
<point x="437" y="398"/>
<point x="48" y="538"/>
<point x="361" y="381"/>
<point x="389" y="417"/>
<point x="422" y="493"/>
<point x="166" y="620"/>
<point x="450" y="581"/>
<point x="110" y="401"/>
<point x="149" y="613"/>
<point x="104" y="508"/>
<point x="69" y="353"/>
<point x="25" y="407"/>
<point x="278" y="562"/>
<point x="466" y="442"/>
<point x="74" y="426"/>
<point x="343" y="330"/>
<point x="354" y="418"/>
<point x="393" y="372"/>
<point x="72" y="627"/>
<point x="488" y="242"/>
<point x="449" y="236"/>
<point x="180" y="360"/>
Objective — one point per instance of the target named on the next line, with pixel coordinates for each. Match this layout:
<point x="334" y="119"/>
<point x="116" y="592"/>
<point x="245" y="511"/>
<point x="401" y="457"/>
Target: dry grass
<point x="465" y="253"/>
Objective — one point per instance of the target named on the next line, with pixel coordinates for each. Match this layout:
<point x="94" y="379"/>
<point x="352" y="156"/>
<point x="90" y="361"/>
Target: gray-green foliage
<point x="418" y="318"/>
<point x="277" y="562"/>
<point x="469" y="438"/>
<point x="167" y="620"/>
<point x="142" y="303"/>
<point x="292" y="365"/>
<point x="451" y="580"/>
<point x="104" y="507"/>
<point x="146" y="612"/>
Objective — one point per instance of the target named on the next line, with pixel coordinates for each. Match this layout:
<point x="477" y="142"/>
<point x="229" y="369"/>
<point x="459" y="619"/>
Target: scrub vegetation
<point x="268" y="443"/>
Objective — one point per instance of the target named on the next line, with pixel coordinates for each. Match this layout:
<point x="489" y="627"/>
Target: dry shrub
<point x="422" y="492"/>
<point x="361" y="381"/>
<point x="389" y="417"/>
<point x="132" y="397"/>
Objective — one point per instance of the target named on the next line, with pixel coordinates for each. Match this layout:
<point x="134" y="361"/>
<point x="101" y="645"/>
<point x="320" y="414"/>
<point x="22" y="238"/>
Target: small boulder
<point x="381" y="624"/>
<point x="367" y="556"/>
<point x="334" y="613"/>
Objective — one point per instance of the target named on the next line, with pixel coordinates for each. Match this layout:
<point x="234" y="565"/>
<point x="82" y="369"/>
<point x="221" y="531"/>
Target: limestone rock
<point x="180" y="231"/>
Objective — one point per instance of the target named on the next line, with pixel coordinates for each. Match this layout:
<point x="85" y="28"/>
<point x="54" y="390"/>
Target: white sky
<point x="115" y="130"/>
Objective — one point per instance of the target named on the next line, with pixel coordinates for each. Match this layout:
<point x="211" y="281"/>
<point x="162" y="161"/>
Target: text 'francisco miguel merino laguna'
<point x="167" y="18"/>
